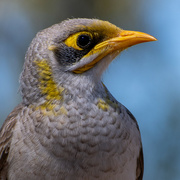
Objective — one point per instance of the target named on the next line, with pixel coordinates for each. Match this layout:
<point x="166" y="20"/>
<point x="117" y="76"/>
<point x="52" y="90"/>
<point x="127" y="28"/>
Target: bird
<point x="68" y="125"/>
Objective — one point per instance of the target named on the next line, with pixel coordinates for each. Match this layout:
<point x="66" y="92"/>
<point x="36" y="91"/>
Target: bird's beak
<point x="123" y="40"/>
<point x="126" y="39"/>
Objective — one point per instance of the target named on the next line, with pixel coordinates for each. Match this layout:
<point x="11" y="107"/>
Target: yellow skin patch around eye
<point x="115" y="39"/>
<point x="71" y="41"/>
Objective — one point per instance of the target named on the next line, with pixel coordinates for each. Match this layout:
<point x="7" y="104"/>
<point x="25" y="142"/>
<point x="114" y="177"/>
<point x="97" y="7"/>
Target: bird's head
<point x="73" y="49"/>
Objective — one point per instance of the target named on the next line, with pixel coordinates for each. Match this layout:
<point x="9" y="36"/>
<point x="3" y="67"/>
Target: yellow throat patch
<point x="48" y="87"/>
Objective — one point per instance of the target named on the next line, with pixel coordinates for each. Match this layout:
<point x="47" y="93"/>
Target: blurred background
<point x="145" y="78"/>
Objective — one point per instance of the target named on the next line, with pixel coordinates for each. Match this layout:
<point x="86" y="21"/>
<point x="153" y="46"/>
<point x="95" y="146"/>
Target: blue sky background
<point x="145" y="78"/>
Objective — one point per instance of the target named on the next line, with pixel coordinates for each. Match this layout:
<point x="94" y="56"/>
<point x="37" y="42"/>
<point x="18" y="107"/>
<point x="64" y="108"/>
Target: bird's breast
<point x="94" y="137"/>
<point x="89" y="140"/>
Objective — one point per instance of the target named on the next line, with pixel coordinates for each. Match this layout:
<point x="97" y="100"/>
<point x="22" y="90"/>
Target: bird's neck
<point x="47" y="91"/>
<point x="79" y="91"/>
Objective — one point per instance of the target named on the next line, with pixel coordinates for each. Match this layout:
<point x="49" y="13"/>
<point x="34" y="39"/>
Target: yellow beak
<point x="126" y="39"/>
<point x="122" y="41"/>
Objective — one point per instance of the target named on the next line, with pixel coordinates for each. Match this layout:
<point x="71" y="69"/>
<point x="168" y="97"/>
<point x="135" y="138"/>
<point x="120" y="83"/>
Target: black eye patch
<point x="67" y="55"/>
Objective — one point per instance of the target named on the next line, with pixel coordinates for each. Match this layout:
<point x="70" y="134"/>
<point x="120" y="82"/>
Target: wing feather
<point x="6" y="132"/>
<point x="140" y="165"/>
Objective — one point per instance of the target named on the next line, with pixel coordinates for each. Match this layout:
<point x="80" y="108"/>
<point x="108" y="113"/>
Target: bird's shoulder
<point x="140" y="158"/>
<point x="6" y="132"/>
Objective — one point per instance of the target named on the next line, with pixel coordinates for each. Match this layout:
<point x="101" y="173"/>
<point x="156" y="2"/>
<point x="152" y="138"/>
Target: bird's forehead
<point x="68" y="27"/>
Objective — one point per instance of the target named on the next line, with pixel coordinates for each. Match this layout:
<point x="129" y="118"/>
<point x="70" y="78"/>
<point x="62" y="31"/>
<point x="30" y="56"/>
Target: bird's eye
<point x="83" y="40"/>
<point x="79" y="41"/>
